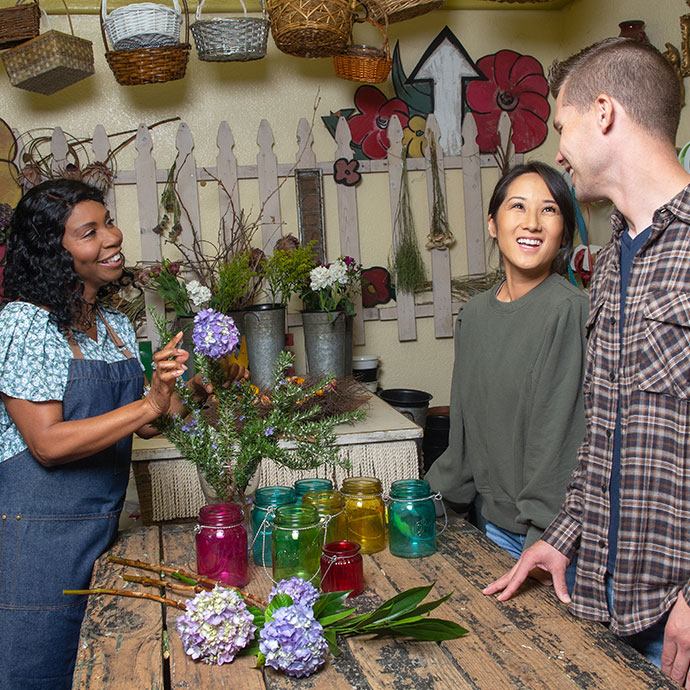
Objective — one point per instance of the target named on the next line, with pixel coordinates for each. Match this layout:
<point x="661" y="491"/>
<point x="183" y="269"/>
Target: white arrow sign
<point x="447" y="64"/>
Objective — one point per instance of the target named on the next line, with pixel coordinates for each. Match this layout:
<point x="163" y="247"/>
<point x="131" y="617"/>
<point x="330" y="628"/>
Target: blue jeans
<point x="514" y="544"/>
<point x="649" y="642"/>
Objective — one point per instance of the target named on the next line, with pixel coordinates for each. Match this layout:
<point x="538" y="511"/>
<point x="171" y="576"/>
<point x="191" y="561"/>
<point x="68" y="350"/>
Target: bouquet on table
<point x="294" y="631"/>
<point x="227" y="439"/>
<point x="298" y="628"/>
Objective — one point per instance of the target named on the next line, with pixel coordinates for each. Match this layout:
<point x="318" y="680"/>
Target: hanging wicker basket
<point x="149" y="65"/>
<point x="50" y="62"/>
<point x="365" y="63"/>
<point x="142" y="25"/>
<point x="19" y="23"/>
<point x="311" y="28"/>
<point x="231" y="38"/>
<point x="399" y="10"/>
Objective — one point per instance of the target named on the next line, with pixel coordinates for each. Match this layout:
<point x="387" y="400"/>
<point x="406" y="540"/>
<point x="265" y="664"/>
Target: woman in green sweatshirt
<point x="516" y="410"/>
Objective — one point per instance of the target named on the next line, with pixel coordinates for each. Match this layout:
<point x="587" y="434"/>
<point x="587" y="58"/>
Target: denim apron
<point x="54" y="523"/>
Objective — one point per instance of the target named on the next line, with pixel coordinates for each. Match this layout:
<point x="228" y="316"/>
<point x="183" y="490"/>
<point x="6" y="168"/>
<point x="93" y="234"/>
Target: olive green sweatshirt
<point x="516" y="413"/>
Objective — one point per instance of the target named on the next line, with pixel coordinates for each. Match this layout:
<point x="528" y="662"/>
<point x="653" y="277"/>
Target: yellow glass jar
<point x="366" y="513"/>
<point x="329" y="504"/>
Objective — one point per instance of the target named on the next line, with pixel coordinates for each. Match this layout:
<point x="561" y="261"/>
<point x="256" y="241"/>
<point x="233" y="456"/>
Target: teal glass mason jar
<point x="411" y="519"/>
<point x="262" y="523"/>
<point x="297" y="540"/>
<point x="315" y="484"/>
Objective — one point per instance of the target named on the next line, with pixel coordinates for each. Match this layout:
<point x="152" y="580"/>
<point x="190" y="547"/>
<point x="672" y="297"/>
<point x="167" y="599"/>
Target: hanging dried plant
<point x="407" y="266"/>
<point x="440" y="236"/>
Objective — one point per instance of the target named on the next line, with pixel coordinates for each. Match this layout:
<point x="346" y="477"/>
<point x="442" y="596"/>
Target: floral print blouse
<point x="35" y="358"/>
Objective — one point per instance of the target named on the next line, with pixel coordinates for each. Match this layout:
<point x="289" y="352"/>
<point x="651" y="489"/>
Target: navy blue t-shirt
<point x="630" y="246"/>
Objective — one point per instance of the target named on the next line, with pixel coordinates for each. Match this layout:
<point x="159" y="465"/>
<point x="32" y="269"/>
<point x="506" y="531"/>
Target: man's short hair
<point x="636" y="74"/>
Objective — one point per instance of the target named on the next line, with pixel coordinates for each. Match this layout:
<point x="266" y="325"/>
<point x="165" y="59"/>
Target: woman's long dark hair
<point x="38" y="268"/>
<point x="561" y="195"/>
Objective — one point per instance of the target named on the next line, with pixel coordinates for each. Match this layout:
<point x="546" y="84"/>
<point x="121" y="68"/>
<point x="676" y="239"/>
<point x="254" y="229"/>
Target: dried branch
<point x="126" y="593"/>
<point x="190" y="578"/>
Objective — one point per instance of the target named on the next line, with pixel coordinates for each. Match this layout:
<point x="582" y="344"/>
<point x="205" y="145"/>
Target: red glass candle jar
<point x="341" y="568"/>
<point x="221" y="544"/>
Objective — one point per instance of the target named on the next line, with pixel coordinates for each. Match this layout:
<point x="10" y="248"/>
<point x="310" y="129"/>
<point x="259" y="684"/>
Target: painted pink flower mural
<point x="515" y="85"/>
<point x="369" y="126"/>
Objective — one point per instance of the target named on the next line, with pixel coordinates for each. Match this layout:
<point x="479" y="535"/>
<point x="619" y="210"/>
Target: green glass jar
<point x="262" y="523"/>
<point x="411" y="519"/>
<point x="366" y="513"/>
<point x="297" y="540"/>
<point x="331" y="506"/>
<point x="313" y="484"/>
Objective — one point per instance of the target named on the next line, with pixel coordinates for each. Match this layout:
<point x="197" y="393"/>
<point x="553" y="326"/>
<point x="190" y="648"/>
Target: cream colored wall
<point x="282" y="89"/>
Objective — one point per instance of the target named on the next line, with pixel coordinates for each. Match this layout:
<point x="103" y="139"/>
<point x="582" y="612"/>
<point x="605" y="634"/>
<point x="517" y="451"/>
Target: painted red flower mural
<point x="376" y="286"/>
<point x="369" y="127"/>
<point x="515" y="85"/>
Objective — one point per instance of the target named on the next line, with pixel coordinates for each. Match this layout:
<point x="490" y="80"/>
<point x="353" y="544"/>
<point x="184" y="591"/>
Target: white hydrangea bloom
<point x="198" y="293"/>
<point x="338" y="271"/>
<point x="320" y="278"/>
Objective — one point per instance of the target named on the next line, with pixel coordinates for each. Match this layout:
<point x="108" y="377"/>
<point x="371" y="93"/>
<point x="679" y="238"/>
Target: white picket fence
<point x="268" y="172"/>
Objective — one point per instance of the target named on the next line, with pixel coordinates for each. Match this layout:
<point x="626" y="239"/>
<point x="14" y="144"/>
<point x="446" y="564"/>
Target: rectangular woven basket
<point x="49" y="62"/>
<point x="19" y="23"/>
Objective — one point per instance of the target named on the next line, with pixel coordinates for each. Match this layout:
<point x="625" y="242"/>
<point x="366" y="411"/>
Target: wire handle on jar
<point x="322" y="522"/>
<point x="432" y="497"/>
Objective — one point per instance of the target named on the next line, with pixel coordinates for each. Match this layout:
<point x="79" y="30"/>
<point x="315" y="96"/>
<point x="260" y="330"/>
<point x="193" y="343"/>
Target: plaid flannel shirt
<point x="647" y="372"/>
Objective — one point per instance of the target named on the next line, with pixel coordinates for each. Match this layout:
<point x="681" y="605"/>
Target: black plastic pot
<point x="412" y="403"/>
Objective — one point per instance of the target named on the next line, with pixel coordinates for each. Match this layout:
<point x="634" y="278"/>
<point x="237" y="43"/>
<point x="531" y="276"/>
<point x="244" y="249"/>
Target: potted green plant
<point x="283" y="274"/>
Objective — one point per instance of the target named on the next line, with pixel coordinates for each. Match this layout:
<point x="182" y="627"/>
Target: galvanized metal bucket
<point x="264" y="330"/>
<point x="325" y="343"/>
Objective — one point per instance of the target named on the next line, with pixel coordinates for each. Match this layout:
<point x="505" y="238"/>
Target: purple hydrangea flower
<point x="215" y="335"/>
<point x="301" y="591"/>
<point x="216" y="626"/>
<point x="293" y="641"/>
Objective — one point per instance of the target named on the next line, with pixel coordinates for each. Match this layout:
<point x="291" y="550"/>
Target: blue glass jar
<point x="411" y="519"/>
<point x="315" y="484"/>
<point x="262" y="526"/>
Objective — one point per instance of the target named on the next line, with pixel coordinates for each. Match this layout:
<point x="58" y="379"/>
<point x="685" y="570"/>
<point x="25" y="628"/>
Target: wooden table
<point x="530" y="642"/>
<point x="384" y="444"/>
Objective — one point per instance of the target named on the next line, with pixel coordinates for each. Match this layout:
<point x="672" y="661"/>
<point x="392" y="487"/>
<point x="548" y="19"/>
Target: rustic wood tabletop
<point x="530" y="642"/>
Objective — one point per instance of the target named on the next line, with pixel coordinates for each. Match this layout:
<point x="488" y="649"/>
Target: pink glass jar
<point x="221" y="544"/>
<point x="341" y="568"/>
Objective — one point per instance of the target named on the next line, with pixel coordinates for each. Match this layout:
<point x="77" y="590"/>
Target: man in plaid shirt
<point x="627" y="508"/>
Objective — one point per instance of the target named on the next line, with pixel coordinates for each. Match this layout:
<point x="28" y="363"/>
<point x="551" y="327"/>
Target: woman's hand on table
<point x="542" y="556"/>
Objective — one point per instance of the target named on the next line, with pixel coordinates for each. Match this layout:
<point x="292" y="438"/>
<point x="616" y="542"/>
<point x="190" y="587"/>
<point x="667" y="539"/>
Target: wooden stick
<point x="151" y="582"/>
<point x="191" y="578"/>
<point x="126" y="593"/>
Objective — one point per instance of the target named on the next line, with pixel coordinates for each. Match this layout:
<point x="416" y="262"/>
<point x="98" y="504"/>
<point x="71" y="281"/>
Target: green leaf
<point x="260" y="660"/>
<point x="329" y="603"/>
<point x="259" y="616"/>
<point x="431" y="629"/>
<point x="334" y="617"/>
<point x="330" y="637"/>
<point x="430" y="605"/>
<point x="402" y="603"/>
<point x="278" y="602"/>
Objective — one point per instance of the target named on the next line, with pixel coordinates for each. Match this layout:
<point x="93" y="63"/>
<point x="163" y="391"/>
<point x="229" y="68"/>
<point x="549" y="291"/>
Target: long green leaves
<point x="403" y="615"/>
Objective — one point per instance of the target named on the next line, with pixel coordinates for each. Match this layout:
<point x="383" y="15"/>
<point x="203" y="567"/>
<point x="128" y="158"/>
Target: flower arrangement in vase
<point x="333" y="287"/>
<point x="227" y="439"/>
